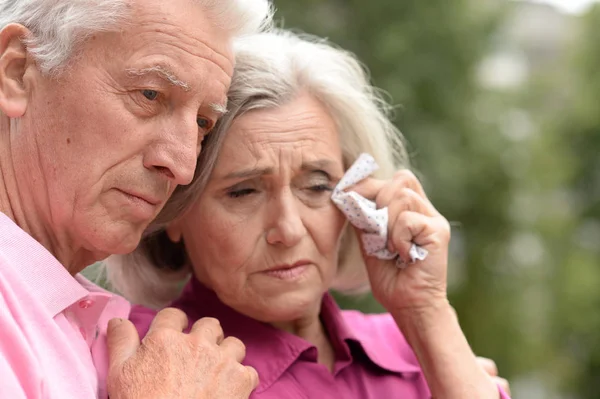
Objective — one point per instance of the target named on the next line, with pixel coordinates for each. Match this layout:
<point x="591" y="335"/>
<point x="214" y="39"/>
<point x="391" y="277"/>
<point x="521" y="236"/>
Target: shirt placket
<point x="85" y="313"/>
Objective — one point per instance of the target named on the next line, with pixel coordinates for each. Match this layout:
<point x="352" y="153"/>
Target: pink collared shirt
<point x="52" y="325"/>
<point x="372" y="358"/>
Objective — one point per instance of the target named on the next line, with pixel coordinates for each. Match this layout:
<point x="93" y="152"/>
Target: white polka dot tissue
<point x="364" y="215"/>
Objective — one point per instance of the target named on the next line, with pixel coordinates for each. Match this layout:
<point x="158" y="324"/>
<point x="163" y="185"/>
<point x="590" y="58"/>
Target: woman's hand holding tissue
<point x="415" y="295"/>
<point x="412" y="220"/>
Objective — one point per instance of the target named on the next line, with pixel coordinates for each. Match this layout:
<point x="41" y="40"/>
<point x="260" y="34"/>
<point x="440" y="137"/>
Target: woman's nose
<point x="286" y="227"/>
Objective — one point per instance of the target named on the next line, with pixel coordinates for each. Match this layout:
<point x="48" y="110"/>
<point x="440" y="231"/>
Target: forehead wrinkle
<point x="201" y="47"/>
<point x="295" y="122"/>
<point x="297" y="136"/>
<point x="249" y="172"/>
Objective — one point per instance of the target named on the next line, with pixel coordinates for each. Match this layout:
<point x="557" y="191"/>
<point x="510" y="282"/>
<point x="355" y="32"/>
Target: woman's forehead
<point x="300" y="128"/>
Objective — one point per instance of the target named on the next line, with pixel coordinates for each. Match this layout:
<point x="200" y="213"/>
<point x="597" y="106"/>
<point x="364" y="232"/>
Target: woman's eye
<point x="241" y="193"/>
<point x="319" y="188"/>
<point x="150" y="94"/>
<point x="204" y="123"/>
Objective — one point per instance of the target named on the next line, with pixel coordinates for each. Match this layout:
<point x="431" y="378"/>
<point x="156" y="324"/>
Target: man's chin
<point x="116" y="242"/>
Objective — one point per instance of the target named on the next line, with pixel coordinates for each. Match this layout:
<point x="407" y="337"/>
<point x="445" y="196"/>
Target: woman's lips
<point x="288" y="272"/>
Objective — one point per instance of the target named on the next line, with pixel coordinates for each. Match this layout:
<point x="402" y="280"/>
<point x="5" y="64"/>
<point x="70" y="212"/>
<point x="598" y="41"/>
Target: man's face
<point x="112" y="137"/>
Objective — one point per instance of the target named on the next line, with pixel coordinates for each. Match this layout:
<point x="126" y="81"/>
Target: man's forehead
<point x="183" y="35"/>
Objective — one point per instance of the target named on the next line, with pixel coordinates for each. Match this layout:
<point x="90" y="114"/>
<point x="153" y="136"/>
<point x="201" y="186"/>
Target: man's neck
<point x="21" y="207"/>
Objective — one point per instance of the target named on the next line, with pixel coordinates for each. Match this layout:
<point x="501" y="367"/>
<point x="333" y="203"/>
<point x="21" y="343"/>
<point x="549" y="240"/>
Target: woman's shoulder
<point x="381" y="338"/>
<point x="141" y="317"/>
<point x="380" y="324"/>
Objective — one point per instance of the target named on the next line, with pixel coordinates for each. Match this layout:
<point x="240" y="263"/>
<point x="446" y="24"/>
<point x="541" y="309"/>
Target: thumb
<point x="122" y="340"/>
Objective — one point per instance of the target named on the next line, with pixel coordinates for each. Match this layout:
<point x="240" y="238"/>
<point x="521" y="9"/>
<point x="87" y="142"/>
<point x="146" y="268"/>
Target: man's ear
<point x="13" y="63"/>
<point x="174" y="231"/>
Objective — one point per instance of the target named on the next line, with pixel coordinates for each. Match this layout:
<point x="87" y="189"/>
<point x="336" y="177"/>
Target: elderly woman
<point x="98" y="125"/>
<point x="265" y="243"/>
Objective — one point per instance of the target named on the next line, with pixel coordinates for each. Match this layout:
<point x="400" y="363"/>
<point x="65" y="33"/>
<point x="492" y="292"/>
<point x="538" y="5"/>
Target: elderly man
<point x="103" y="106"/>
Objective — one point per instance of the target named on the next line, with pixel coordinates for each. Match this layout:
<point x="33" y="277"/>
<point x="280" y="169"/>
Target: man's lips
<point x="150" y="199"/>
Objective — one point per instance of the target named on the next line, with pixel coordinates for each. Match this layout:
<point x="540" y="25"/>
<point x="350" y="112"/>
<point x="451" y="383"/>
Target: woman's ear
<point x="174" y="231"/>
<point x="13" y="64"/>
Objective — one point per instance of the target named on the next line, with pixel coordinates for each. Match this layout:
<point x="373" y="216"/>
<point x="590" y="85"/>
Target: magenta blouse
<point x="372" y="358"/>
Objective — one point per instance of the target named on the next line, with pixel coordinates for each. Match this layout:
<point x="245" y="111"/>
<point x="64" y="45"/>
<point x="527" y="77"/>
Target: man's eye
<point x="204" y="123"/>
<point x="150" y="94"/>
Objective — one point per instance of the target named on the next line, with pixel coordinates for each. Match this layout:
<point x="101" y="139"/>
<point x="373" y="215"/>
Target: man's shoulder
<point x="13" y="291"/>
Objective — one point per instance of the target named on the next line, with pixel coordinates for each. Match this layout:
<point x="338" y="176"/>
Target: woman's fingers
<point x="488" y="365"/>
<point x="405" y="199"/>
<point x="412" y="219"/>
<point x="404" y="190"/>
<point x="502" y="383"/>
<point x="415" y="228"/>
<point x="368" y="188"/>
<point x="403" y="179"/>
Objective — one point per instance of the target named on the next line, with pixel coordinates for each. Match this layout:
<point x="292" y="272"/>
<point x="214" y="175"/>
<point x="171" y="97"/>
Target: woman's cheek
<point x="329" y="234"/>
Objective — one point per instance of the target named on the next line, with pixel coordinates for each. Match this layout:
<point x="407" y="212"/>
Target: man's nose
<point x="175" y="154"/>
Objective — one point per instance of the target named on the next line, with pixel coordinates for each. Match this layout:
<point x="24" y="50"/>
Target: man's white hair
<point x="271" y="70"/>
<point x="59" y="26"/>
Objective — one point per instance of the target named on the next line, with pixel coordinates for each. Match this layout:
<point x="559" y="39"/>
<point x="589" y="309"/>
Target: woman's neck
<point x="311" y="329"/>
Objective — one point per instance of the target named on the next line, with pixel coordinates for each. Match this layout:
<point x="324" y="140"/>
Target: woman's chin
<point x="287" y="307"/>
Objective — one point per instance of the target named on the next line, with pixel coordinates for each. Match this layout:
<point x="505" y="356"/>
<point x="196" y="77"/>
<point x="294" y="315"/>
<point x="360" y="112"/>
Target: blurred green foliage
<point x="577" y="129"/>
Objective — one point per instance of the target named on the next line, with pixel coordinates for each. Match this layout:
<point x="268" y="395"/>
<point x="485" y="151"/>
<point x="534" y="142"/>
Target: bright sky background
<point x="572" y="6"/>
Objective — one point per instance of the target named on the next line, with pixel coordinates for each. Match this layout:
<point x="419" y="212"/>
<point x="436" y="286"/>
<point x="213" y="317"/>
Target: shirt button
<point x="86" y="303"/>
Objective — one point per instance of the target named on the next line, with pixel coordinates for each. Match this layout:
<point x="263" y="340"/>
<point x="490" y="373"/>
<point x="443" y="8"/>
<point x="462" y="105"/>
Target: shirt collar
<point x="48" y="280"/>
<point x="271" y="351"/>
<point x="377" y="336"/>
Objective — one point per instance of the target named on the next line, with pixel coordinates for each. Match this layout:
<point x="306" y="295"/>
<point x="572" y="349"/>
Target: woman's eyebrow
<point x="248" y="173"/>
<point x="310" y="166"/>
<point x="318" y="164"/>
<point x="326" y="166"/>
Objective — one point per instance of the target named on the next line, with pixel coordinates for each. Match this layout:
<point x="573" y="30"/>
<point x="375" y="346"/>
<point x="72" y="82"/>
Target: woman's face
<point x="265" y="235"/>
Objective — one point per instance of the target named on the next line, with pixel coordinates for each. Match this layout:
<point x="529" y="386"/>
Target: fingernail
<point x="400" y="264"/>
<point x="112" y="323"/>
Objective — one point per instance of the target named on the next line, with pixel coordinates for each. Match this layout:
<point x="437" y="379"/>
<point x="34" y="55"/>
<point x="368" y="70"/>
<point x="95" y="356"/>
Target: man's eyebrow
<point x="219" y="109"/>
<point x="162" y="72"/>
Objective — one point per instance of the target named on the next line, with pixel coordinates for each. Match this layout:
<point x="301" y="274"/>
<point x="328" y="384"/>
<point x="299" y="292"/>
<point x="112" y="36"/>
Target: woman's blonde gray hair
<point x="272" y="69"/>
